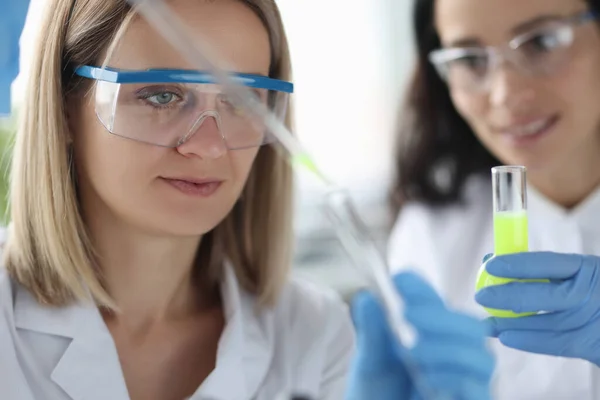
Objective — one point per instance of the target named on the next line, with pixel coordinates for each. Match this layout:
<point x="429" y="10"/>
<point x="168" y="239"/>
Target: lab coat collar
<point x="89" y="368"/>
<point x="586" y="214"/>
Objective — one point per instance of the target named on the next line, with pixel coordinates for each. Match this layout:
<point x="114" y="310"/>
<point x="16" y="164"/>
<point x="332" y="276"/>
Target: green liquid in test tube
<point x="510" y="232"/>
<point x="510" y="225"/>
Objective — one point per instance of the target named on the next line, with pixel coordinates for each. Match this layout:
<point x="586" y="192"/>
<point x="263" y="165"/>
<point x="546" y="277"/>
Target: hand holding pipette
<point x="450" y="349"/>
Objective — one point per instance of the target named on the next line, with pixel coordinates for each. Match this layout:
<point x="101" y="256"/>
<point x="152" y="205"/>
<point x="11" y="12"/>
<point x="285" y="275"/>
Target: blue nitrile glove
<point x="570" y="326"/>
<point x="450" y="350"/>
<point x="12" y="20"/>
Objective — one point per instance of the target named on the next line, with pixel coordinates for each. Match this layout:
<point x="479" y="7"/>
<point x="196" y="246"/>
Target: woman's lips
<point x="530" y="132"/>
<point x="194" y="187"/>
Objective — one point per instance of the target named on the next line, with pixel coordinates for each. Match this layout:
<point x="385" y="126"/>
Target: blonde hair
<point x="48" y="249"/>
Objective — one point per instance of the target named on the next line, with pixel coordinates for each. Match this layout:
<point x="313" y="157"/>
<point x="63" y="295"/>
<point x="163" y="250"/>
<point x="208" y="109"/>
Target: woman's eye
<point x="162" y="98"/>
<point x="543" y="42"/>
<point x="472" y="62"/>
<point x="230" y="104"/>
<point x="549" y="40"/>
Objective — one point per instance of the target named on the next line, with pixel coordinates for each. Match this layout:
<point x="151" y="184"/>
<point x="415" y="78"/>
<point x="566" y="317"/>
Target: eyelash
<point x="171" y="104"/>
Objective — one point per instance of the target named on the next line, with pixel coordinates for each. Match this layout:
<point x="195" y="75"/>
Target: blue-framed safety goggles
<point x="165" y="107"/>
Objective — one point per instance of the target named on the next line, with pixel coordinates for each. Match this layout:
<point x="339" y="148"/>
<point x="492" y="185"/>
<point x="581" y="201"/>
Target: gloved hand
<point x="571" y="325"/>
<point x="450" y="350"/>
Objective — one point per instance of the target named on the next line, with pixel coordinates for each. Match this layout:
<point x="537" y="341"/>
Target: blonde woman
<point x="148" y="251"/>
<point x="141" y="194"/>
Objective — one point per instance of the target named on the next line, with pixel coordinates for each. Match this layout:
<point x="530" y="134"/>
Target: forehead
<point x="233" y="31"/>
<point x="494" y="21"/>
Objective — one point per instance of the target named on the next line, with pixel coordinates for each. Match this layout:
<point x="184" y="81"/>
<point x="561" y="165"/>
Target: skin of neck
<point x="149" y="276"/>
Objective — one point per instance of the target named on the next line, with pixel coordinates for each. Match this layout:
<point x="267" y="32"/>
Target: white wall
<point x="350" y="59"/>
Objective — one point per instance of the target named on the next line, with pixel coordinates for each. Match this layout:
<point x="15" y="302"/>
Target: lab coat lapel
<point x="245" y="350"/>
<point x="89" y="369"/>
<point x="14" y="376"/>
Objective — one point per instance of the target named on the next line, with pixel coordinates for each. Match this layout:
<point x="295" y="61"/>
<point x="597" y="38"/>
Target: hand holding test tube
<point x="511" y="228"/>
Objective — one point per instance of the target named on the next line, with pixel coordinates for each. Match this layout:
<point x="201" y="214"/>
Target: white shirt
<point x="447" y="245"/>
<point x="302" y="345"/>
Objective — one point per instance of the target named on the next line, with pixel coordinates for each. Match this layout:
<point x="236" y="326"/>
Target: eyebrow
<point x="534" y="22"/>
<point x="465" y="42"/>
<point x="520" y="28"/>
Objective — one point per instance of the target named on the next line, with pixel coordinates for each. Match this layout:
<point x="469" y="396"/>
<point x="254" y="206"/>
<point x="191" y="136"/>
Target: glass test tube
<point x="509" y="188"/>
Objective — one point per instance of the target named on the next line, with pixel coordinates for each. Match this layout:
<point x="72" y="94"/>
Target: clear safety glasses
<point x="543" y="51"/>
<point x="167" y="107"/>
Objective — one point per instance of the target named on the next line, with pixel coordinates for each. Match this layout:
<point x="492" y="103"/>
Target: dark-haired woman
<point x="501" y="82"/>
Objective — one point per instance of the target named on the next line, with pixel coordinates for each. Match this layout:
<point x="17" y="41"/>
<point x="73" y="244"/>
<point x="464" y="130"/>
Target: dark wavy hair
<point x="436" y="150"/>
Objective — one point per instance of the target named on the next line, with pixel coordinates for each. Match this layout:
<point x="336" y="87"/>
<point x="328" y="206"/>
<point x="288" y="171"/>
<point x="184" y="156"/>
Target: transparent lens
<point x="544" y="50"/>
<point x="168" y="114"/>
<point x="463" y="68"/>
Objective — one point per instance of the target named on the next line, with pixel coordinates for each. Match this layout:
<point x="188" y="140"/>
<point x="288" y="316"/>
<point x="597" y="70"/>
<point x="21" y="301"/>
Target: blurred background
<point x="351" y="60"/>
<point x="350" y="71"/>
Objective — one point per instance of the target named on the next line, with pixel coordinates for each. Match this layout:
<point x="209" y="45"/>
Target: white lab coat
<point x="447" y="245"/>
<point x="303" y="345"/>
